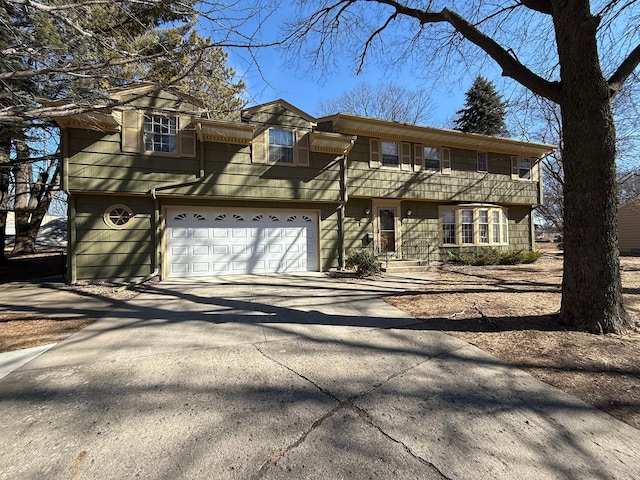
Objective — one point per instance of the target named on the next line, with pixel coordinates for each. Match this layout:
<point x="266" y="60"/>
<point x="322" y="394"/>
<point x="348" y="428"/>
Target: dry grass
<point x="24" y="331"/>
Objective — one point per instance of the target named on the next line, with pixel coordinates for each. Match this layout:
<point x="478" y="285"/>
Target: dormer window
<point x="282" y="146"/>
<point x="160" y="133"/>
<point x="281" y="143"/>
<point x="157" y="133"/>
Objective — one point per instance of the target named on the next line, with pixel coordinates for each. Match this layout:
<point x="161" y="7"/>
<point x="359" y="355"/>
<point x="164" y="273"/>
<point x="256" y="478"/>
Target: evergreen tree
<point x="484" y="110"/>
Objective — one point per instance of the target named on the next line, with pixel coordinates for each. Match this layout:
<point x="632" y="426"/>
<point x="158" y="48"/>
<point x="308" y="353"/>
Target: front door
<point x="387" y="230"/>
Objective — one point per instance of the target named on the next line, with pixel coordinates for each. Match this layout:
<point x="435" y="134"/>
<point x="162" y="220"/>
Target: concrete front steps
<point x="404" y="266"/>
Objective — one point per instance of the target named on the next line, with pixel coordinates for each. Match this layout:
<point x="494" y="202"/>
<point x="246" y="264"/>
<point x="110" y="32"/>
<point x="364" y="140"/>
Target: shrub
<point x="493" y="256"/>
<point x="364" y="261"/>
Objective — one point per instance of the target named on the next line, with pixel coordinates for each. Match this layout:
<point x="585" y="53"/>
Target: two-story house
<point x="157" y="188"/>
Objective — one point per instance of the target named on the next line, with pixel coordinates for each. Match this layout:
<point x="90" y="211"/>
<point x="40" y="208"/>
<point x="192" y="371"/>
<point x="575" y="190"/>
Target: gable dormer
<point x="281" y="134"/>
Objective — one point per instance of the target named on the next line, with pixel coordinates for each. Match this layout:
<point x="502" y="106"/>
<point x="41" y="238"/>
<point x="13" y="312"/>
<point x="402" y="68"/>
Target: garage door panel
<point x="220" y="249"/>
<point x="200" y="250"/>
<point x="179" y="233"/>
<point x="202" y="268"/>
<point x="178" y="250"/>
<point x="240" y="250"/>
<point x="239" y="267"/>
<point x="179" y="268"/>
<point x="227" y="242"/>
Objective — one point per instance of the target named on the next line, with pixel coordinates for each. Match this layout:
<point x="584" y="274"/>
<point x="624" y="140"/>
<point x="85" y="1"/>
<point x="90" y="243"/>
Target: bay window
<point x="483" y="226"/>
<point x="473" y="225"/>
<point x="449" y="226"/>
<point x="467" y="226"/>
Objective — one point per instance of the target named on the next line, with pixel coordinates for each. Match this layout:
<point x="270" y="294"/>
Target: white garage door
<point x="206" y="242"/>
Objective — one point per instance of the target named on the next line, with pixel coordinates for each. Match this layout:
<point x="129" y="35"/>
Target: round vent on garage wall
<point x="118" y="216"/>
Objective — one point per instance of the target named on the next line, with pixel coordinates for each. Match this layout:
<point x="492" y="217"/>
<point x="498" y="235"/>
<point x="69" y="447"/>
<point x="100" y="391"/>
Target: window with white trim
<point x="160" y="133"/>
<point x="118" y="216"/>
<point x="483" y="226"/>
<point x="157" y="133"/>
<point x="495" y="226"/>
<point x="467" y="226"/>
<point x="448" y="226"/>
<point x="521" y="168"/>
<point x="473" y="225"/>
<point x="431" y="158"/>
<point x="524" y="168"/>
<point x="505" y="227"/>
<point x="390" y="153"/>
<point x="281" y="144"/>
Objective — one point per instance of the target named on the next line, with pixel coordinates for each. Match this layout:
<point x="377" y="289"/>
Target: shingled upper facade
<point x="157" y="188"/>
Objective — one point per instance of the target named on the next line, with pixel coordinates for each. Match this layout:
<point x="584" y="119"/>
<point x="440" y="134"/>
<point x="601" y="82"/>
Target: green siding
<point x="278" y="115"/>
<point x="97" y="165"/>
<point x="103" y="252"/>
<point x="357" y="225"/>
<point x="464" y="184"/>
<point x="519" y="228"/>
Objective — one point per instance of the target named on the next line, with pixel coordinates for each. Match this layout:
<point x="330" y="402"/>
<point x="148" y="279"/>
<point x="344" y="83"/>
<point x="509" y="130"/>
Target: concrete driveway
<point x="293" y="376"/>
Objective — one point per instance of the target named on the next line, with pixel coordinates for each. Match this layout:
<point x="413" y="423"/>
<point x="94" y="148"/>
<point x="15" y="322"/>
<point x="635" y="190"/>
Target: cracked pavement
<point x="288" y="377"/>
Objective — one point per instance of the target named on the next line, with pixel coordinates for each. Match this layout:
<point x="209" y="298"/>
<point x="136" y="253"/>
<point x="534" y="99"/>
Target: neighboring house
<point x="629" y="227"/>
<point x="155" y="187"/>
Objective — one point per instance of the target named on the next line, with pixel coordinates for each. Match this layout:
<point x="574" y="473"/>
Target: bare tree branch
<point x="623" y="72"/>
<point x="542" y="6"/>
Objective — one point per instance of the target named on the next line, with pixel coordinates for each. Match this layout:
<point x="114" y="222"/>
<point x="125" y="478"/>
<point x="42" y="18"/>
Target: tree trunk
<point x="591" y="285"/>
<point x="25" y="242"/>
<point x="5" y="149"/>
<point x="32" y="197"/>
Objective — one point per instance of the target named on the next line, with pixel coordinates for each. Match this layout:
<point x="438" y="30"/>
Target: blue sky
<point x="292" y="82"/>
<point x="282" y="75"/>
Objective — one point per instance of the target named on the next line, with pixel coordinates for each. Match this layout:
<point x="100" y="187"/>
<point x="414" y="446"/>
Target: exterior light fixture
<point x="408" y="212"/>
<point x="367" y="211"/>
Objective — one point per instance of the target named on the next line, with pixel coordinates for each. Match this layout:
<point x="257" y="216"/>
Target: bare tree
<point x="386" y="101"/>
<point x="565" y="41"/>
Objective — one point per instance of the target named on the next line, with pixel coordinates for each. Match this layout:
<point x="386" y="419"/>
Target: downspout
<point x="71" y="274"/>
<point x="344" y="197"/>
<point x="156" y="262"/>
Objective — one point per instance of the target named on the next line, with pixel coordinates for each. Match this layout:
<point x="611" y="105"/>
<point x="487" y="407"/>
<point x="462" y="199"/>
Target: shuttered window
<point x="390" y="153"/>
<point x="160" y="133"/>
<point x="281" y="145"/>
